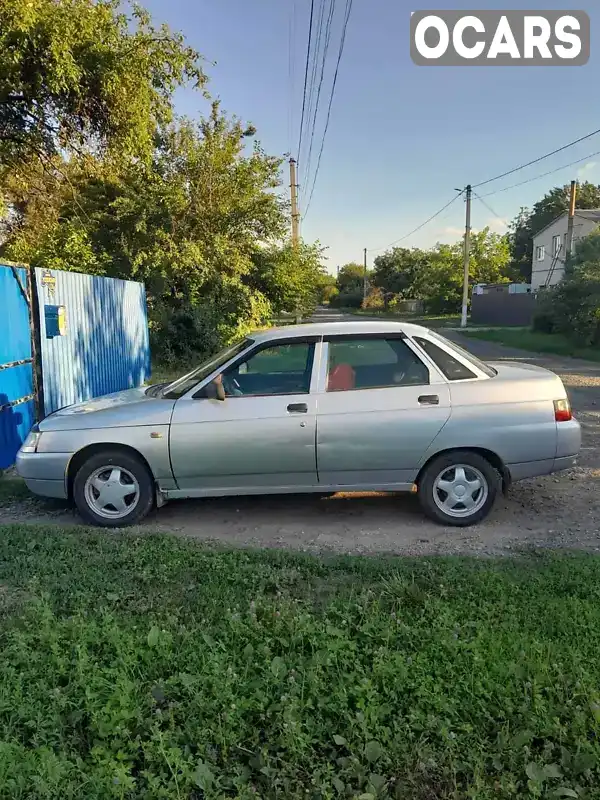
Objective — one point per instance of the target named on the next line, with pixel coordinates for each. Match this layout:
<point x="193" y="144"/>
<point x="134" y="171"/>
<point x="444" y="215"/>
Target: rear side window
<point x="373" y="363"/>
<point x="453" y="369"/>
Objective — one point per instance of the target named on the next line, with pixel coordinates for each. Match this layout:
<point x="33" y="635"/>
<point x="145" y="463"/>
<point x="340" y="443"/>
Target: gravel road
<point x="555" y="511"/>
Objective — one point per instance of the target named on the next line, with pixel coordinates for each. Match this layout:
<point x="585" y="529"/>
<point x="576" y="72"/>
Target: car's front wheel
<point x="113" y="489"/>
<point x="459" y="488"/>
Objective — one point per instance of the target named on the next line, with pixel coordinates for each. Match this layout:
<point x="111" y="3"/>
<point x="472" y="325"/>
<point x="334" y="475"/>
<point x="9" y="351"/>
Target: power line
<point x="418" y="228"/>
<point x="490" y="209"/>
<point x="536" y="160"/>
<point x="312" y="10"/>
<point x="543" y="175"/>
<point x="327" y="39"/>
<point x="348" y="11"/>
<point x="317" y="36"/>
<point x="291" y="71"/>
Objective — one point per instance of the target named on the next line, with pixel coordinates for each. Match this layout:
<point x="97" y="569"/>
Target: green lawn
<point x="153" y="667"/>
<point x="536" y="342"/>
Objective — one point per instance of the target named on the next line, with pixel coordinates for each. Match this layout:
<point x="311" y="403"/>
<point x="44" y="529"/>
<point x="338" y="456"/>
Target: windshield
<point x="480" y="365"/>
<point x="182" y="385"/>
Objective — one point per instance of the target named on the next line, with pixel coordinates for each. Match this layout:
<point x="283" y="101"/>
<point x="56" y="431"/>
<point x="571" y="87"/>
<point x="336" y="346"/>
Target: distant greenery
<point x="433" y="276"/>
<point x="152" y="667"/>
<point x="536" y="342"/>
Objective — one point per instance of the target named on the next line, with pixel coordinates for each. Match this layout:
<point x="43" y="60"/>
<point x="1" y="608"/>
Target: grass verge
<point x="12" y="489"/>
<point x="153" y="667"/>
<point x="536" y="342"/>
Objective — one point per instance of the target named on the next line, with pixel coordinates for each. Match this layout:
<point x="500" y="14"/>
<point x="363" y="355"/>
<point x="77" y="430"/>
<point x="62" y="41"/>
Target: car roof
<point x="333" y="328"/>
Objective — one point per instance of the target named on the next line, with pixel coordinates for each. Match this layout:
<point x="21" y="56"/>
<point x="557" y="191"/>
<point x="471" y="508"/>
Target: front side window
<point x="373" y="363"/>
<point x="540" y="252"/>
<point x="182" y="385"/>
<point x="271" y="370"/>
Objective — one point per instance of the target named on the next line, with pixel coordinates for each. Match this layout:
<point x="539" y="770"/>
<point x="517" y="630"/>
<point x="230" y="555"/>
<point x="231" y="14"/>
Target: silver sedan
<point x="365" y="406"/>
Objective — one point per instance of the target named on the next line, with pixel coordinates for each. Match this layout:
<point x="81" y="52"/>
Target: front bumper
<point x="44" y="473"/>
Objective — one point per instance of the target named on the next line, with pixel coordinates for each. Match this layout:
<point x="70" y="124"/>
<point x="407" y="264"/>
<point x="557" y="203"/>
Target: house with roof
<point x="550" y="245"/>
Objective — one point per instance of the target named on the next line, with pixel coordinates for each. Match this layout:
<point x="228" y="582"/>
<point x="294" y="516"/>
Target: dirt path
<point x="555" y="511"/>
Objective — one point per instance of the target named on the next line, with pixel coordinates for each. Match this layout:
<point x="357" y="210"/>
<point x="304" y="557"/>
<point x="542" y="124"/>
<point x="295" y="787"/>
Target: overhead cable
<point x="308" y="50"/>
<point x="537" y="160"/>
<point x="543" y="175"/>
<point x="348" y="11"/>
<point x="418" y="228"/>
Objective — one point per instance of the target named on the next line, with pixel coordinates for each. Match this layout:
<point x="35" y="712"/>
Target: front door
<point x="261" y="435"/>
<point x="379" y="409"/>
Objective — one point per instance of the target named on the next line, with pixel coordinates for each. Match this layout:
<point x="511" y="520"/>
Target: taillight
<point x="562" y="411"/>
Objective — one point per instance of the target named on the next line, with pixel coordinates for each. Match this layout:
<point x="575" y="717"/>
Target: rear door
<point x="379" y="409"/>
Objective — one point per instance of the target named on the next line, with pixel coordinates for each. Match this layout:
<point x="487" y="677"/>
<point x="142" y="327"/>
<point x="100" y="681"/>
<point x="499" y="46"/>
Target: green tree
<point x="188" y="224"/>
<point x="397" y="272"/>
<point x="585" y="261"/>
<point x="291" y="278"/>
<point x="326" y="287"/>
<point x="351" y="277"/>
<point x="78" y="75"/>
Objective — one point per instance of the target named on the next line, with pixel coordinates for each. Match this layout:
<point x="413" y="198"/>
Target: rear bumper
<point x="533" y="469"/>
<point x="44" y="473"/>
<point x="568" y="445"/>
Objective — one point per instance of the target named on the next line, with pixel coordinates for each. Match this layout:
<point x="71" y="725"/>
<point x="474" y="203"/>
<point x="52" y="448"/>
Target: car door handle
<point x="297" y="408"/>
<point x="429" y="400"/>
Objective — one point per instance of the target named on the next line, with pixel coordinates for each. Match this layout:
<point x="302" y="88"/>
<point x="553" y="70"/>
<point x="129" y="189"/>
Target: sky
<point x="401" y="137"/>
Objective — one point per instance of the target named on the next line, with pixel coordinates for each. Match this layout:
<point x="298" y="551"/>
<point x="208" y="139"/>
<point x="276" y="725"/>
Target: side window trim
<point x="435" y="376"/>
<point x="196" y="393"/>
<point x="456" y="356"/>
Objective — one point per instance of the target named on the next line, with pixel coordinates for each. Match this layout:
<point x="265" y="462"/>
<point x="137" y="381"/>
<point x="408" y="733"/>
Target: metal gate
<point x="17" y="408"/>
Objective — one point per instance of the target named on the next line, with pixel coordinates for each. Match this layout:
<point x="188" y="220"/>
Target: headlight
<point x="31" y="442"/>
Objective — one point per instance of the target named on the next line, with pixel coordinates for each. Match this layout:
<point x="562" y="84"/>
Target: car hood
<point x="119" y="409"/>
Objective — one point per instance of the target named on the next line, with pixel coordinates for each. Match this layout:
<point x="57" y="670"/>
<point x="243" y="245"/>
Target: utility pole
<point x="365" y="275"/>
<point x="294" y="199"/>
<point x="465" y="298"/>
<point x="570" y="221"/>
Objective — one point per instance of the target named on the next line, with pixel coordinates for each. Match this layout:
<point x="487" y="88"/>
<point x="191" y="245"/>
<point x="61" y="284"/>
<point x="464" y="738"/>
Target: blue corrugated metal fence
<point x="104" y="347"/>
<point x="93" y="340"/>
<point x="16" y="374"/>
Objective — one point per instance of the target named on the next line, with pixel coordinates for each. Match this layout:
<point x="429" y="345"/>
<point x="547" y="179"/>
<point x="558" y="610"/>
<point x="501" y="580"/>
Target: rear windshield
<point x="469" y="357"/>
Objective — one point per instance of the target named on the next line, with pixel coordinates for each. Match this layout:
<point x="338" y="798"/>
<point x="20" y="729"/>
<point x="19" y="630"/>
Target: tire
<point x="118" y="471"/>
<point x="445" y="469"/>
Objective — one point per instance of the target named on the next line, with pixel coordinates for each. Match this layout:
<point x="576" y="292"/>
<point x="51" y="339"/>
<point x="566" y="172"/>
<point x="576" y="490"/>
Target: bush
<point x="178" y="334"/>
<point x="375" y="299"/>
<point x="197" y="330"/>
<point x="571" y="308"/>
<point x="544" y="318"/>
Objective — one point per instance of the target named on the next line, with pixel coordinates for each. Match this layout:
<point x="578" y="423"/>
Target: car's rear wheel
<point x="113" y="489"/>
<point x="459" y="488"/>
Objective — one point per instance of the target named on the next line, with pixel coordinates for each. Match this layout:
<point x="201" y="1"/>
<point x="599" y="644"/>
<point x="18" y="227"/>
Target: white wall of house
<point x="547" y="240"/>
